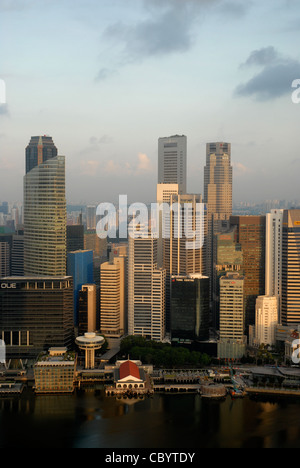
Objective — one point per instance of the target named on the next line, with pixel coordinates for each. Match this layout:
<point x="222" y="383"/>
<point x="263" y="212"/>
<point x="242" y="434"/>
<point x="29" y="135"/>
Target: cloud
<point x="106" y="73"/>
<point x="165" y="27"/>
<point x="158" y="35"/>
<point x="6" y="164"/>
<point x="274" y="80"/>
<point x="90" y="167"/>
<point x="262" y="57"/>
<point x="4" y="110"/>
<point x="144" y="164"/>
<point x="240" y="169"/>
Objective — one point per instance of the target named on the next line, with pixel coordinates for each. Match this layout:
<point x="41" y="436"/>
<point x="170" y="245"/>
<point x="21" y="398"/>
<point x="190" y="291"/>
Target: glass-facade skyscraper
<point x="39" y="150"/>
<point x="45" y="217"/>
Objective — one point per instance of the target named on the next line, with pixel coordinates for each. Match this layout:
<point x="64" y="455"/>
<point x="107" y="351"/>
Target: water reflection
<point x="164" y="421"/>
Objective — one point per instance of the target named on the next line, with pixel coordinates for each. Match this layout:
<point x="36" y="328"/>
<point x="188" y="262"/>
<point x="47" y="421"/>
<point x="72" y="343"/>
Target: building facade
<point x="266" y="320"/>
<point x="112" y="302"/>
<point x="290" y="304"/>
<point x="39" y="150"/>
<point x="251" y="235"/>
<point x="232" y="310"/>
<point x="172" y="161"/>
<point x="36" y="314"/>
<point x="146" y="290"/>
<point x="190" y="308"/>
<point x="80" y="267"/>
<point x="45" y="219"/>
<point x="274" y="236"/>
<point x="87" y="309"/>
<point x="218" y="175"/>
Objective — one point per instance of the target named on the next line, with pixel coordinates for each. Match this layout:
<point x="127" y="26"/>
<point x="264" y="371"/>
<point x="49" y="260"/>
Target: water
<point x="90" y="420"/>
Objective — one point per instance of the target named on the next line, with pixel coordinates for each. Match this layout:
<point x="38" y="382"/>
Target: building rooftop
<point x="129" y="369"/>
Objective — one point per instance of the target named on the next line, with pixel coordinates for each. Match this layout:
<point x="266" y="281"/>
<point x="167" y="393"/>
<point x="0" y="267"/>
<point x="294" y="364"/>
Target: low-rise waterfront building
<point x="54" y="372"/>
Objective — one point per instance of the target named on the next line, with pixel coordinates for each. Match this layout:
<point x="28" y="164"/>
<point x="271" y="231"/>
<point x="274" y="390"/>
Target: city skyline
<point x="126" y="76"/>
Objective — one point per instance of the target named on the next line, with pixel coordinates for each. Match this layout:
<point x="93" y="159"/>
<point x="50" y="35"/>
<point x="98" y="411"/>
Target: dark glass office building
<point x="39" y="150"/>
<point x="190" y="308"/>
<point x="36" y="314"/>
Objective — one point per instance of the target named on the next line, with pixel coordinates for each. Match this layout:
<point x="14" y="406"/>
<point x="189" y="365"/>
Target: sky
<point x="107" y="78"/>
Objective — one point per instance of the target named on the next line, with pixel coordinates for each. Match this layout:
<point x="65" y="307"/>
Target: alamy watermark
<point x="2" y="352"/>
<point x="2" y="92"/>
<point x="163" y="220"/>
<point x="296" y="352"/>
<point x="296" y="93"/>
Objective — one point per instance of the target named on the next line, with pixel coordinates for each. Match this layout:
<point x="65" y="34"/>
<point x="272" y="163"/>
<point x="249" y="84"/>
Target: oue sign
<point x="8" y="286"/>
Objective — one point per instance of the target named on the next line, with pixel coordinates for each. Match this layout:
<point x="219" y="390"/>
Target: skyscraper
<point x="45" y="215"/>
<point x="232" y="311"/>
<point x="290" y="304"/>
<point x="274" y="229"/>
<point x="172" y="161"/>
<point x="146" y="290"/>
<point x="190" y="307"/>
<point x="91" y="218"/>
<point x="75" y="237"/>
<point x="184" y="245"/>
<point x="218" y="175"/>
<point x="4" y="259"/>
<point x="112" y="315"/>
<point x="218" y="181"/>
<point x="36" y="314"/>
<point x="80" y="268"/>
<point x="251" y="235"/>
<point x="266" y="320"/>
<point x="87" y="310"/>
<point x="228" y="257"/>
<point x="232" y="344"/>
<point x="39" y="150"/>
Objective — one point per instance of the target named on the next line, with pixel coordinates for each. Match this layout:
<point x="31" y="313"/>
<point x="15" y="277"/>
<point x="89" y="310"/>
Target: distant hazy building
<point x="290" y="304"/>
<point x="17" y="256"/>
<point x="172" y="161"/>
<point x="251" y="235"/>
<point x="75" y="238"/>
<point x="146" y="290"/>
<point x="190" y="308"/>
<point x="112" y="302"/>
<point x="36" y="314"/>
<point x="266" y="320"/>
<point x="94" y="243"/>
<point x="45" y="216"/>
<point x="80" y="267"/>
<point x="87" y="309"/>
<point x="91" y="217"/>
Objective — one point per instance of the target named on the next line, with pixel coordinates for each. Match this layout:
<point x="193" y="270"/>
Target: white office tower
<point x="112" y="315"/>
<point x="274" y="230"/>
<point x="146" y="289"/>
<point x="232" y="307"/>
<point x="266" y="320"/>
<point x="172" y="161"/>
